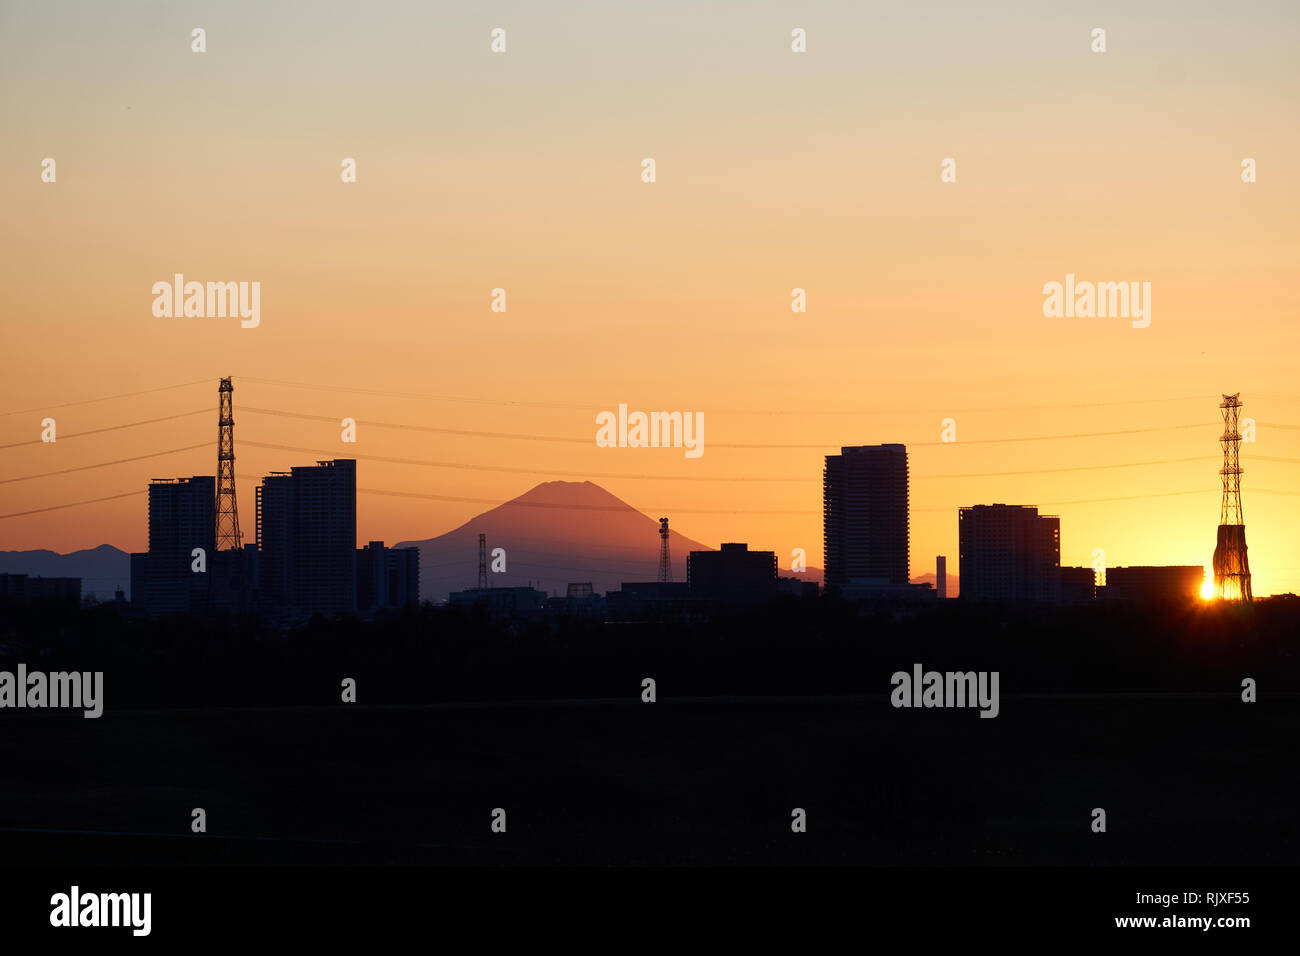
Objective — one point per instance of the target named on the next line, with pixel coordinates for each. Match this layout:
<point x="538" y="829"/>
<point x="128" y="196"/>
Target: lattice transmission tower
<point x="482" y="562"/>
<point x="1231" y="568"/>
<point x="228" y="538"/>
<point x="665" y="564"/>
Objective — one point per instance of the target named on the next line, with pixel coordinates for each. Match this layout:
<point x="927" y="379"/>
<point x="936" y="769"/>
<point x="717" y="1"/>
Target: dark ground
<point x="1183" y="779"/>
<point x="1137" y="711"/>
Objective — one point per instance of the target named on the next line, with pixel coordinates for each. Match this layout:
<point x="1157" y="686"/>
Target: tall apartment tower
<point x="864" y="515"/>
<point x="182" y="517"/>
<point x="307" y="536"/>
<point x="275" y="538"/>
<point x="941" y="576"/>
<point x="1008" y="553"/>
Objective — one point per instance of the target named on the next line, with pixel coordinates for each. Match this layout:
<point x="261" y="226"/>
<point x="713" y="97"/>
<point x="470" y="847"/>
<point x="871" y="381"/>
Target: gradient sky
<point x="775" y="170"/>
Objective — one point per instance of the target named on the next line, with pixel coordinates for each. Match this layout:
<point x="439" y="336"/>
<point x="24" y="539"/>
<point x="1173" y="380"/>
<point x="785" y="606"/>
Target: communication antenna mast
<point x="228" y="538"/>
<point x="665" y="565"/>
<point x="482" y="562"/>
<point x="1231" y="568"/>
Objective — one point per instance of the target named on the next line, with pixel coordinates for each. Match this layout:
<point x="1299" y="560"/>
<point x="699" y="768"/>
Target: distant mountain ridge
<point x="556" y="533"/>
<point x="102" y="570"/>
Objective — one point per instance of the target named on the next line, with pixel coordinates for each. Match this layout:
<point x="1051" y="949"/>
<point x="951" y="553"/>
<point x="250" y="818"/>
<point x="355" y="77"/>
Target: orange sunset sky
<point x="775" y="170"/>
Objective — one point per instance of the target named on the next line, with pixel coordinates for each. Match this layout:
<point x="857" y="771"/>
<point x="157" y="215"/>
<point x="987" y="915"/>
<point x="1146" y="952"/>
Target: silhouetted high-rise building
<point x="941" y="576"/>
<point x="325" y="502"/>
<point x="180" y="510"/>
<point x="1008" y="553"/>
<point x="307" y="537"/>
<point x="387" y="577"/>
<point x="732" y="575"/>
<point x="182" y="515"/>
<point x="275" y="538"/>
<point x="864" y="515"/>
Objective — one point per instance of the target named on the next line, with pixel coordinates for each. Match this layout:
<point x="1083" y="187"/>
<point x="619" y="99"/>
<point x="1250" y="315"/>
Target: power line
<point x="106" y="398"/>
<point x="602" y="475"/>
<point x="105" y="464"/>
<point x="463" y="399"/>
<point x="998" y="441"/>
<point x="704" y="511"/>
<point x="506" y="403"/>
<point x="1052" y="471"/>
<point x="423" y="397"/>
<point x="615" y="475"/>
<point x="515" y="471"/>
<point x="603" y="553"/>
<point x="411" y="427"/>
<point x="407" y="426"/>
<point x="1088" y="501"/>
<point x="113" y="428"/>
<point x="74" y="504"/>
<point x="562" y="507"/>
<point x="622" y="564"/>
<point x="805" y="511"/>
<point x="555" y="567"/>
<point x="730" y="479"/>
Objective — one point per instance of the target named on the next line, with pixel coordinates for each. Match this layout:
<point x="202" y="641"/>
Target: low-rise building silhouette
<point x="1008" y="553"/>
<point x="1154" y="583"/>
<point x="580" y="600"/>
<point x="24" y="589"/>
<point x="881" y="590"/>
<point x="664" y="601"/>
<point x="387" y="577"/>
<point x="233" y="579"/>
<point x="732" y="575"/>
<point x="501" y="602"/>
<point x="1078" y="585"/>
<point x="797" y="587"/>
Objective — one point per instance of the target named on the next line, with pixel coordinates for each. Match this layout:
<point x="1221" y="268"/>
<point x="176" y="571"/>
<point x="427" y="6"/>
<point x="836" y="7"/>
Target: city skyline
<point x="477" y="172"/>
<point x="866" y="522"/>
<point x="722" y="518"/>
<point x="592" y="436"/>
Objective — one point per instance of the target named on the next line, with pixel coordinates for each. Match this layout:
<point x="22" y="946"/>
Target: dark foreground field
<point x="1184" y="779"/>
